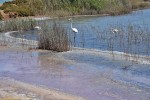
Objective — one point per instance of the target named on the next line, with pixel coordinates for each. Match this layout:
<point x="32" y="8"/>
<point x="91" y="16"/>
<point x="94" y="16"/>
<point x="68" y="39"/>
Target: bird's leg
<point x="74" y="39"/>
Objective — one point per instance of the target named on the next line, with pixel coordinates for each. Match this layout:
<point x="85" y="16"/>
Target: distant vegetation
<point x="71" y="7"/>
<point x="20" y="7"/>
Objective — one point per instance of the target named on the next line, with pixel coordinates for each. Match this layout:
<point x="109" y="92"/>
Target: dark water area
<point x="95" y="32"/>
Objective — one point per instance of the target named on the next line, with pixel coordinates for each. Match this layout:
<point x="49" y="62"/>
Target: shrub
<point x="23" y="12"/>
<point x="7" y="10"/>
<point x="55" y="38"/>
<point x="73" y="7"/>
<point x="19" y="6"/>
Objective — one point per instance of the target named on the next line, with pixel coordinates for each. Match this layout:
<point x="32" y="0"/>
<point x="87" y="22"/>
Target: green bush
<point x="7" y="10"/>
<point x="23" y="12"/>
<point x="18" y="6"/>
<point x="73" y="7"/>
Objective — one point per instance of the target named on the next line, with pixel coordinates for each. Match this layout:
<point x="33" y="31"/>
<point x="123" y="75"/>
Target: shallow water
<point x="95" y="32"/>
<point x="89" y="75"/>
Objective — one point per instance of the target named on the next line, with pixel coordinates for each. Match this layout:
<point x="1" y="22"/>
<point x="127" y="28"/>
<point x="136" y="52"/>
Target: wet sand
<point x="83" y="73"/>
<point x="11" y="89"/>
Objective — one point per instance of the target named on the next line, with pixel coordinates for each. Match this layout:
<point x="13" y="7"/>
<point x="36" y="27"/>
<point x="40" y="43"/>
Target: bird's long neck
<point x="71" y="24"/>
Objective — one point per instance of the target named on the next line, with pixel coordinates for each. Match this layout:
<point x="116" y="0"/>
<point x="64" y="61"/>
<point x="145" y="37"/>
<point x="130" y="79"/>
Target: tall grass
<point x="17" y="24"/>
<point x="131" y="39"/>
<point x="54" y="38"/>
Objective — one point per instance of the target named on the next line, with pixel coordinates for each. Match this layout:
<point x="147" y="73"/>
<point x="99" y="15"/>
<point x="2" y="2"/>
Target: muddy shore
<point x="11" y="89"/>
<point x="46" y="68"/>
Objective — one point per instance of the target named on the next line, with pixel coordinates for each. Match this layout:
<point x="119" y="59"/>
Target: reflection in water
<point x="75" y="72"/>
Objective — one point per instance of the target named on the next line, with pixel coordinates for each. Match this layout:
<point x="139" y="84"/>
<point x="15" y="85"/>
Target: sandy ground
<point x="11" y="89"/>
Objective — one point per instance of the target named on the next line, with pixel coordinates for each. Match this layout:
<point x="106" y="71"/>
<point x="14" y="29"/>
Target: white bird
<point x="38" y="27"/>
<point x="114" y="30"/>
<point x="73" y="29"/>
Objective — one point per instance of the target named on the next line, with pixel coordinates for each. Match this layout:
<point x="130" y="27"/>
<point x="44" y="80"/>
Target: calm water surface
<point x="95" y="32"/>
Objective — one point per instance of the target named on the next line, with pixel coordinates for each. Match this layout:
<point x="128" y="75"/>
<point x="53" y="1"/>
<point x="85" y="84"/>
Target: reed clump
<point x="17" y="24"/>
<point x="54" y="37"/>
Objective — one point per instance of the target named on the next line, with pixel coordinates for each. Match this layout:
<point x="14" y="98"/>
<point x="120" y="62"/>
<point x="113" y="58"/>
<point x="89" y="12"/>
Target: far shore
<point x="76" y="16"/>
<point x="45" y="17"/>
<point x="39" y="18"/>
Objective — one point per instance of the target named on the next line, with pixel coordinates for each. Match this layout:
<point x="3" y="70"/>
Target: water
<point x="2" y="1"/>
<point x="95" y="32"/>
<point x="30" y="35"/>
<point x="88" y="74"/>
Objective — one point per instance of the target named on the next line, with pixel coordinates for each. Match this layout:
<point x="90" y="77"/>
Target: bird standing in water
<point x="74" y="30"/>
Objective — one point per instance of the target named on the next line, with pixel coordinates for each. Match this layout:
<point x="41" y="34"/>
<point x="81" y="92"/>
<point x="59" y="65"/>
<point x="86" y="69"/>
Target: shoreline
<point x="141" y="59"/>
<point x="96" y="15"/>
<point x="16" y="90"/>
<point x="55" y="61"/>
<point x="40" y="18"/>
<point x="45" y="17"/>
